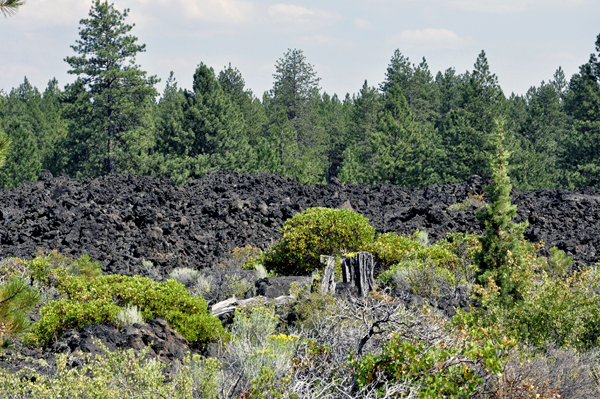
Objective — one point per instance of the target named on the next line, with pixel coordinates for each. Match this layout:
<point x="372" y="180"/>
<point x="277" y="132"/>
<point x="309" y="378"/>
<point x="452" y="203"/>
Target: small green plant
<point x="316" y="232"/>
<point x="260" y="272"/>
<point x="255" y="346"/>
<point x="243" y="258"/>
<point x="150" y="269"/>
<point x="13" y="267"/>
<point x="202" y="286"/>
<point x="564" y="311"/>
<point x="390" y="248"/>
<point x="236" y="286"/>
<point x="559" y="263"/>
<point x="431" y="270"/>
<point x="85" y="267"/>
<point x="55" y="266"/>
<point x="129" y="316"/>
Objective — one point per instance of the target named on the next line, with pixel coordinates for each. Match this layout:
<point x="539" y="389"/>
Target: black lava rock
<point x="122" y="220"/>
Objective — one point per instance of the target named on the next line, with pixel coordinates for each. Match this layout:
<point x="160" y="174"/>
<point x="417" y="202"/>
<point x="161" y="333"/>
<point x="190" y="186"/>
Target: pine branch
<point x="10" y="7"/>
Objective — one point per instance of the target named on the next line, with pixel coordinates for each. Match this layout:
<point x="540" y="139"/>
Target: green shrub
<point x="13" y="267"/>
<point x="316" y="232"/>
<point x="428" y="270"/>
<point x="242" y="258"/>
<point x="47" y="269"/>
<point x="390" y="248"/>
<point x="443" y="370"/>
<point x="57" y="317"/>
<point x="185" y="276"/>
<point x="98" y="301"/>
<point x="255" y="347"/>
<point x="564" y="311"/>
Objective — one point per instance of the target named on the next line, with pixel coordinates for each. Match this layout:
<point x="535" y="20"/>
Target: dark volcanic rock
<point x="165" y="345"/>
<point x="280" y="286"/>
<point x="122" y="220"/>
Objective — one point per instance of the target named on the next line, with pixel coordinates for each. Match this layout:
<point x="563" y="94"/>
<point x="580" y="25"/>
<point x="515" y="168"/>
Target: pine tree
<point x="278" y="152"/>
<point x="252" y="110"/>
<point x="364" y="114"/>
<point x="582" y="155"/>
<point x="22" y="161"/>
<point x="173" y="137"/>
<point x="362" y="124"/>
<point x="468" y="133"/>
<point x="541" y="124"/>
<point x="501" y="246"/>
<point x="417" y="85"/>
<point x="398" y="152"/>
<point x="55" y="127"/>
<point x="449" y="87"/>
<point x="107" y="105"/>
<point x="296" y="93"/>
<point x="217" y="125"/>
<point x="333" y="119"/>
<point x="42" y="113"/>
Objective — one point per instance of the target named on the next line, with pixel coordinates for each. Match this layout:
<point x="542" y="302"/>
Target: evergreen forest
<point x="416" y="128"/>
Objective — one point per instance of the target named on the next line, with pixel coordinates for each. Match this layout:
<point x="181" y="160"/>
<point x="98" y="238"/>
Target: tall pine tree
<point x="417" y="85"/>
<point x="296" y="93"/>
<point x="252" y="110"/>
<point x="398" y="152"/>
<point x="469" y="128"/>
<point x="582" y="157"/>
<point x="108" y="105"/>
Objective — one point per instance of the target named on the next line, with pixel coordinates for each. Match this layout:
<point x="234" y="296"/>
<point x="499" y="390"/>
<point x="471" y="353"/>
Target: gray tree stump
<point x="328" y="280"/>
<point x="358" y="271"/>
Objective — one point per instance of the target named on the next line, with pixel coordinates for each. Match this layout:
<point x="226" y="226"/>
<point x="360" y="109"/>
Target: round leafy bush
<point x="316" y="232"/>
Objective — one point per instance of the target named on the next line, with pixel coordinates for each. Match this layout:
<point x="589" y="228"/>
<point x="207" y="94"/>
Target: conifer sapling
<point x="502" y="244"/>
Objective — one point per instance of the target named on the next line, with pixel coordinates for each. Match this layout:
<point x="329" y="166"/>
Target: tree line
<point x="413" y="129"/>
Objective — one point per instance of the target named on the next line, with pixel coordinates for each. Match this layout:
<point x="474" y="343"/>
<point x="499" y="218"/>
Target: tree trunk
<point x="358" y="271"/>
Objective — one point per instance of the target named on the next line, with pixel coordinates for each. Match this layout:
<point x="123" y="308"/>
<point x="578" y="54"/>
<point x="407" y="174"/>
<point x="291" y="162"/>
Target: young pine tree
<point x="17" y="299"/>
<point x="501" y="247"/>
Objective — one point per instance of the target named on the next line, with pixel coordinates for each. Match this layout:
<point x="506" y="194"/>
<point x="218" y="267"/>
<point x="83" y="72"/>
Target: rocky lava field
<point x="123" y="220"/>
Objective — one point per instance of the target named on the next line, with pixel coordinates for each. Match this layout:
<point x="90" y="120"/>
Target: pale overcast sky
<point x="347" y="41"/>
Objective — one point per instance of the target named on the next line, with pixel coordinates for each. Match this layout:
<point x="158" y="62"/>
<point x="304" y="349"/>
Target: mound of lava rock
<point x="123" y="220"/>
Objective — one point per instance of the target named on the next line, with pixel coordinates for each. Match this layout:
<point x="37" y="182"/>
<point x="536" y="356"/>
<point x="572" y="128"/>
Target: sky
<point x="347" y="41"/>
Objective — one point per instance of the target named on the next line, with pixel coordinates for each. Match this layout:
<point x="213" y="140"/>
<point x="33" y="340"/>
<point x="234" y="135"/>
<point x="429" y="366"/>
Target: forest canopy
<point x="415" y="128"/>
